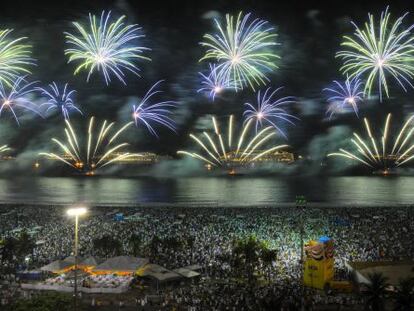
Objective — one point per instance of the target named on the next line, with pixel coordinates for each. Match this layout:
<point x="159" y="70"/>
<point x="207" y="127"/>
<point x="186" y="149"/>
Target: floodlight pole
<point x="76" y="262"/>
<point x="300" y="204"/>
<point x="76" y="212"/>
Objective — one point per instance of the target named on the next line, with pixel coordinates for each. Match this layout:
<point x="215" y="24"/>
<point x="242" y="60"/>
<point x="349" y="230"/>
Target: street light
<point x="76" y="212"/>
<point x="301" y="205"/>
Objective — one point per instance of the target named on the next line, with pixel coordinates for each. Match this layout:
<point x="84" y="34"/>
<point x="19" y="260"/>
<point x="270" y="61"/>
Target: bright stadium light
<point x="77" y="211"/>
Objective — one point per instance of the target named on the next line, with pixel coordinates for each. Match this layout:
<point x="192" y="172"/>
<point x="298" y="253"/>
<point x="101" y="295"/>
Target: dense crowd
<point x="359" y="234"/>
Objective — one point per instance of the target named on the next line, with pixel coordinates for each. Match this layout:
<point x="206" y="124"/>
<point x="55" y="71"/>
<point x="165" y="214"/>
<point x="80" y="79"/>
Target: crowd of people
<point x="359" y="234"/>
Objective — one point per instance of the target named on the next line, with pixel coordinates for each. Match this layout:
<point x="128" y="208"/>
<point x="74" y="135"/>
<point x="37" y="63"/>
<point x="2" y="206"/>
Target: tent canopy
<point x="193" y="267"/>
<point x="125" y="264"/>
<point x="57" y="266"/>
<point x="90" y="261"/>
<point x="187" y="273"/>
<point x="159" y="273"/>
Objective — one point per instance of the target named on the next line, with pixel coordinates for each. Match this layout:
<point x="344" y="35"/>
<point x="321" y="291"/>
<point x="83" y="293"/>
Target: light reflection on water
<point x="236" y="191"/>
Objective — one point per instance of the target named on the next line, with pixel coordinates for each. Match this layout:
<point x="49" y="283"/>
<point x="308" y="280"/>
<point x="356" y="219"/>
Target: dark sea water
<point x="226" y="191"/>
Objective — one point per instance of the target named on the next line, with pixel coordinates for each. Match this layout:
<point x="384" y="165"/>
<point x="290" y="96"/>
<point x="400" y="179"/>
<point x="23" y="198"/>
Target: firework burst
<point x="59" y="98"/>
<point x="4" y="149"/>
<point x="106" y="46"/>
<point x="99" y="149"/>
<point x="268" y="110"/>
<point x="385" y="154"/>
<point x="243" y="50"/>
<point x="378" y="52"/>
<point x="148" y="113"/>
<point x="344" y="95"/>
<point x="14" y="58"/>
<point x="214" y="83"/>
<point x="221" y="151"/>
<point x="16" y="97"/>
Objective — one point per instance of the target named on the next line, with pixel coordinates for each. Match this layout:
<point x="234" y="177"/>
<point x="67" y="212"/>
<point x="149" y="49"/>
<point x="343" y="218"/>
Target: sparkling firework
<point x="100" y="149"/>
<point x="382" y="155"/>
<point x="239" y="153"/>
<point x="4" y="149"/>
<point x="14" y="58"/>
<point x="159" y="113"/>
<point x="59" y="98"/>
<point x="344" y="95"/>
<point x="243" y="50"/>
<point x="106" y="46"/>
<point x="378" y="51"/>
<point x="213" y="83"/>
<point x="269" y="110"/>
<point x="17" y="97"/>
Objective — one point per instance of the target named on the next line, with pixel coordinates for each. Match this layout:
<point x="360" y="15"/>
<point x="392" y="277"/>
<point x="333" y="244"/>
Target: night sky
<point x="309" y="32"/>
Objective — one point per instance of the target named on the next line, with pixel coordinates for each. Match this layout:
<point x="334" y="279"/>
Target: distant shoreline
<point x="203" y="205"/>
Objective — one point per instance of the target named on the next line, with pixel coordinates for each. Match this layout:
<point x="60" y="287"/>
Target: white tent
<point x="121" y="264"/>
<point x="89" y="261"/>
<point x="187" y="273"/>
<point x="194" y="267"/>
<point x="160" y="274"/>
<point x="56" y="266"/>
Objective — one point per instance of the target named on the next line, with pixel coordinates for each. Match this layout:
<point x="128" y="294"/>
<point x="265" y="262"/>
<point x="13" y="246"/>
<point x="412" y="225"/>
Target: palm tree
<point x="153" y="246"/>
<point x="375" y="291"/>
<point x="107" y="246"/>
<point x="25" y="245"/>
<point x="14" y="250"/>
<point x="273" y="302"/>
<point x="268" y="256"/>
<point x="404" y="296"/>
<point x="172" y="243"/>
<point x="135" y="243"/>
<point x="8" y="251"/>
<point x="249" y="252"/>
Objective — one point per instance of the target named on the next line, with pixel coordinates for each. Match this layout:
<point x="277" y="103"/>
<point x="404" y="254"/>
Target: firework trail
<point x="100" y="149"/>
<point x="221" y="151"/>
<point x="14" y="58"/>
<point x="384" y="154"/>
<point x="379" y="52"/>
<point x="59" y="98"/>
<point x="243" y="50"/>
<point x="159" y="113"/>
<point x="214" y="84"/>
<point x="4" y="149"/>
<point x="107" y="47"/>
<point x="16" y="97"/>
<point x="269" y="110"/>
<point x="344" y="95"/>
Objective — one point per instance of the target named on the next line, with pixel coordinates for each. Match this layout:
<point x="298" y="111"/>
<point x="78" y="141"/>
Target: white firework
<point x="110" y="47"/>
<point x="378" y="52"/>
